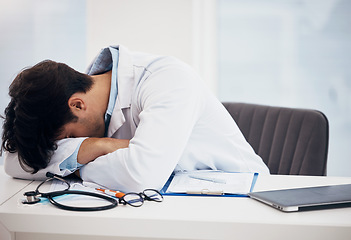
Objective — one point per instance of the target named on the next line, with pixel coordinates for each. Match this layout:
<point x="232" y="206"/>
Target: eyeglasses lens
<point x="133" y="199"/>
<point x="153" y="195"/>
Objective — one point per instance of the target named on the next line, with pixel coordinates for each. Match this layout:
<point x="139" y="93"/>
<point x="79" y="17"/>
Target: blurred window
<point x="293" y="53"/>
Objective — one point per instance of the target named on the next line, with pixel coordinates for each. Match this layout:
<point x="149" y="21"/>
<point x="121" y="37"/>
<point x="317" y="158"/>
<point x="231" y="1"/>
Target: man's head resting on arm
<point x="39" y="109"/>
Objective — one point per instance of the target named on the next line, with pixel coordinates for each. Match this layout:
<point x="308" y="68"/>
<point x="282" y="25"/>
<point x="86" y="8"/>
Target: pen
<point x="205" y="192"/>
<point x="112" y="193"/>
<point x="215" y="180"/>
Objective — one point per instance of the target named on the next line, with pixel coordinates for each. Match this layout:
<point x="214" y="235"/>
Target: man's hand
<point x="92" y="148"/>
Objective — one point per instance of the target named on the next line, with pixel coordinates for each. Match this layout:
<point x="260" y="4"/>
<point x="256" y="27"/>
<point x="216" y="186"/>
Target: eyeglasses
<point x="137" y="199"/>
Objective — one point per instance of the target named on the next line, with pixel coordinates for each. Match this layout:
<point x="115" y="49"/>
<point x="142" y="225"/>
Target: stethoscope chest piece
<point x="31" y="197"/>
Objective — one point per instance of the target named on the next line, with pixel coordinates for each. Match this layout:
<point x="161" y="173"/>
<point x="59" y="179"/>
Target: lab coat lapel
<point x="117" y="119"/>
<point x="125" y="83"/>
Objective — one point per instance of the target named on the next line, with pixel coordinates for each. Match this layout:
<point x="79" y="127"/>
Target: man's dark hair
<point x="38" y="110"/>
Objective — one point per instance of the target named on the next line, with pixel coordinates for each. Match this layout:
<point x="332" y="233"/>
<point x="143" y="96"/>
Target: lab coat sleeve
<point x="169" y="102"/>
<point x="66" y="148"/>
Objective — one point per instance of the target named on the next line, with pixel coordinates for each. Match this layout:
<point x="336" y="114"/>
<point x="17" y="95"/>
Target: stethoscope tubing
<point x="32" y="196"/>
<point x="51" y="196"/>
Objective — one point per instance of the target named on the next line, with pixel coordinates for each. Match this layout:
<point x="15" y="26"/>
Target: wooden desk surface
<point x="184" y="218"/>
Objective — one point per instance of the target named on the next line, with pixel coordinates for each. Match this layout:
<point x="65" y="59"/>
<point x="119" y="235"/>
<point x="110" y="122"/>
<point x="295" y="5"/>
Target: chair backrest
<point x="290" y="141"/>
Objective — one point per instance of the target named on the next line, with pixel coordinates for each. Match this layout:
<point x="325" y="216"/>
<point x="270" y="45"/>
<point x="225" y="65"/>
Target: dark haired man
<point x="127" y="124"/>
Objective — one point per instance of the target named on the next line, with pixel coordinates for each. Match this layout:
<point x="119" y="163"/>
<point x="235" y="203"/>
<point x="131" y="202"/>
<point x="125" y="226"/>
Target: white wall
<point x="181" y="28"/>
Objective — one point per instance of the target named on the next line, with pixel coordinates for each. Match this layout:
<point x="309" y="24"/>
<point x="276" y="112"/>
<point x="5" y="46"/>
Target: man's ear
<point x="76" y="104"/>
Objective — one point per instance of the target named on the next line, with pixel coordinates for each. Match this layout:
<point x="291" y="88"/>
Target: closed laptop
<point x="308" y="198"/>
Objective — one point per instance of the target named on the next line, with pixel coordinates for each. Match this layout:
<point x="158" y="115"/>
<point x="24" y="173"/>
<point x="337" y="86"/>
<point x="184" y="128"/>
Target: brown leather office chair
<point x="290" y="141"/>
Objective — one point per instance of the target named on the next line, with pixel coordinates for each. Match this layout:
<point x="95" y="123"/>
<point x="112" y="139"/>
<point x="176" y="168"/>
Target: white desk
<point x="182" y="218"/>
<point x="9" y="186"/>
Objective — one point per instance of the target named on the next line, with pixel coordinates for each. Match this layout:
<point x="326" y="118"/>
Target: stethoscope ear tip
<point x="31" y="198"/>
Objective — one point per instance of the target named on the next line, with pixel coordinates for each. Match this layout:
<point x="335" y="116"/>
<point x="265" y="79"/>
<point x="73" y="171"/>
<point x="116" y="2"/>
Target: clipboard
<point x="210" y="183"/>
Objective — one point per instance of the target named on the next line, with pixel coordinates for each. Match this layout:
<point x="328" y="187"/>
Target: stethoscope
<point x="33" y="197"/>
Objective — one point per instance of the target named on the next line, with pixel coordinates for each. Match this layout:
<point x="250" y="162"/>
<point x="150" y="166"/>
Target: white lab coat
<point x="173" y="121"/>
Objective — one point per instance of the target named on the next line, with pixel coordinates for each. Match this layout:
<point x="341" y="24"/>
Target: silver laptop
<point x="309" y="198"/>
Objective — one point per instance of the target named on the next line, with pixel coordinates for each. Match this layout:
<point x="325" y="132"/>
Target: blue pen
<point x="209" y="179"/>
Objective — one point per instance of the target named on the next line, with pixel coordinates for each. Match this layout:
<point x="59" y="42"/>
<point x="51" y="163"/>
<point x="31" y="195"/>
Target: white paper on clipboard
<point x="209" y="181"/>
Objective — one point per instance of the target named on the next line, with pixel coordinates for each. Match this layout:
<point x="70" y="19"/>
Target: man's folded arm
<point x="88" y="150"/>
<point x="92" y="148"/>
<point x="66" y="148"/>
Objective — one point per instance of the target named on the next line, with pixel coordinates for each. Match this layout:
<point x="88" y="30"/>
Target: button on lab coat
<point x="173" y="121"/>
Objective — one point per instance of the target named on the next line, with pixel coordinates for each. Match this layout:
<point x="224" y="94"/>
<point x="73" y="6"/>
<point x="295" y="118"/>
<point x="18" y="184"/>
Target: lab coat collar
<point x="125" y="82"/>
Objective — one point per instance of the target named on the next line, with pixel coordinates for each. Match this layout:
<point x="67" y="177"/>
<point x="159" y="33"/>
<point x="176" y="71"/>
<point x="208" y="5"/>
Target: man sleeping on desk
<point x="127" y="124"/>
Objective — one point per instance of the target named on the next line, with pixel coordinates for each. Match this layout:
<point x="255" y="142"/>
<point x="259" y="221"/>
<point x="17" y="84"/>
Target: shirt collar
<point x="107" y="60"/>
